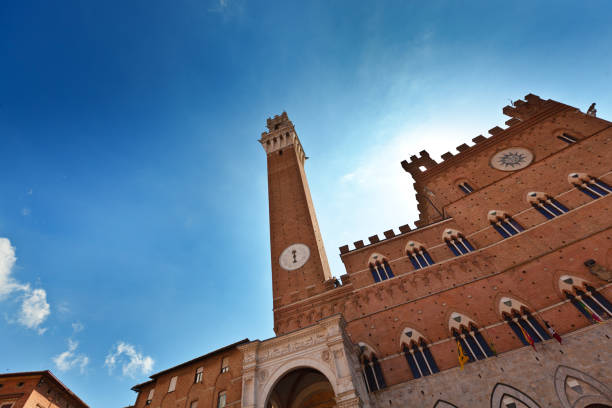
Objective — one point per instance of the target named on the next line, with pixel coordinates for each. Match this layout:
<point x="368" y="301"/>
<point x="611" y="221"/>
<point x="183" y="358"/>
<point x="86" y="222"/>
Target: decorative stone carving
<point x="502" y="390"/>
<point x="323" y="346"/>
<point x="511" y="159"/>
<point x="597" y="392"/>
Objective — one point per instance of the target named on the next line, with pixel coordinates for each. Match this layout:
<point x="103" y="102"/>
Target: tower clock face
<point x="294" y="257"/>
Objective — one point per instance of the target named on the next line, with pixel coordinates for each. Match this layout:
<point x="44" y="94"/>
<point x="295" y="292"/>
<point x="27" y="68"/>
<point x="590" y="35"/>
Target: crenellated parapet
<point x="281" y="133"/>
<point x="419" y="164"/>
<point x="523" y="110"/>
<point x="519" y="111"/>
<point x="523" y="113"/>
<point x="375" y="239"/>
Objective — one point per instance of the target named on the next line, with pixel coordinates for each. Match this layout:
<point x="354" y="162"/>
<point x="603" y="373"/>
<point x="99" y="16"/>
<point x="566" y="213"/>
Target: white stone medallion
<point x="294" y="257"/>
<point x="511" y="159"/>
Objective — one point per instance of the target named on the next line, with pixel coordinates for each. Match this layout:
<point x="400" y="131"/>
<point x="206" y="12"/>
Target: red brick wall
<point x="206" y="392"/>
<point x="525" y="267"/>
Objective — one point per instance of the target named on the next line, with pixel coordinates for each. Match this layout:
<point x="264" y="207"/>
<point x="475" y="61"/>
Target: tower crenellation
<point x="281" y="133"/>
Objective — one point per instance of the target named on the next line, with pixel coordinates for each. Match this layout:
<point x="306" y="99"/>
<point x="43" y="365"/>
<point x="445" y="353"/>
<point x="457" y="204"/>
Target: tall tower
<point x="299" y="263"/>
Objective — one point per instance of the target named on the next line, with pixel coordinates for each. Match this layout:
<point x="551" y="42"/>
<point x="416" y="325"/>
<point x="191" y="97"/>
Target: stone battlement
<point x="520" y="111"/>
<point x="423" y="165"/>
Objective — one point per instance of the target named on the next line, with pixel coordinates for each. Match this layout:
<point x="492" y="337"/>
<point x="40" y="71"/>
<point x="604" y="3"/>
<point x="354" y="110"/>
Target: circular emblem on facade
<point x="514" y="158"/>
<point x="294" y="257"/>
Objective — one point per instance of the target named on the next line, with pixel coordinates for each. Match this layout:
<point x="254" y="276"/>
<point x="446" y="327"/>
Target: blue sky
<point x="134" y="216"/>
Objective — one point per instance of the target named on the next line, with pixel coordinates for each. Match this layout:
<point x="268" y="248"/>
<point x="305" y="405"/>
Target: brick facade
<point x="517" y="275"/>
<point x="36" y="389"/>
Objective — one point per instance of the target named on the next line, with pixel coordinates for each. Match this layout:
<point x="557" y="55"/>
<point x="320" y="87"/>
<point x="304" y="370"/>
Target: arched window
<point x="456" y="242"/>
<point x="592" y="304"/>
<point x="379" y="267"/>
<point x="417" y="353"/>
<point x="546" y="204"/>
<point x="590" y="186"/>
<point x="371" y="369"/>
<point x="567" y="138"/>
<point x="504" y="224"/>
<point x="465" y="187"/>
<point x="466" y="332"/>
<point x="521" y="321"/>
<point x="418" y="255"/>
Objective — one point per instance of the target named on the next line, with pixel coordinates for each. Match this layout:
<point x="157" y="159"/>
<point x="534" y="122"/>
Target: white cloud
<point x="70" y="359"/>
<point x="77" y="327"/>
<point x="34" y="307"/>
<point x="7" y="260"/>
<point x="25" y="212"/>
<point x="132" y="362"/>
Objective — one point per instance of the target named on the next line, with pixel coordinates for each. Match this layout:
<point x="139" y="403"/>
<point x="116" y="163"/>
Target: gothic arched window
<point x="456" y="242"/>
<point x="418" y="255"/>
<point x="417" y="353"/>
<point x="465" y="187"/>
<point x="592" y="304"/>
<point x="466" y="332"/>
<point x="521" y="321"/>
<point x="590" y="186"/>
<point x="504" y="224"/>
<point x="380" y="268"/>
<point x="371" y="369"/>
<point x="546" y="205"/>
<point x="567" y="138"/>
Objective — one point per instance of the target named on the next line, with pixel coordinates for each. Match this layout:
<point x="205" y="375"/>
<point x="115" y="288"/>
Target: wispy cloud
<point x="34" y="307"/>
<point x="132" y="362"/>
<point x="77" y="327"/>
<point x="219" y="7"/>
<point x="70" y="358"/>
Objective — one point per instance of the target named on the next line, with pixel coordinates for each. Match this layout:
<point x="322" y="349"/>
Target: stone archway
<point x="271" y="369"/>
<point x="302" y="388"/>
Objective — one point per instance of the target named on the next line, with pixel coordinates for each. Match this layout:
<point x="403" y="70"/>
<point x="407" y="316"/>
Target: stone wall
<point x="533" y="378"/>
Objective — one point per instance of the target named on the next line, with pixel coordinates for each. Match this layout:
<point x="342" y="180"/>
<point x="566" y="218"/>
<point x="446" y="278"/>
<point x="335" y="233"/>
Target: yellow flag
<point x="462" y="357"/>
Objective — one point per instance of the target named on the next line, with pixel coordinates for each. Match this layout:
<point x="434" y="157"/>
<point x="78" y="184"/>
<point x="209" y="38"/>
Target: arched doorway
<point x="302" y="388"/>
<point x="598" y="406"/>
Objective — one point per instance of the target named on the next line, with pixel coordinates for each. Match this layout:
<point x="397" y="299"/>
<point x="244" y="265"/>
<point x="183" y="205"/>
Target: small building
<point x="214" y="379"/>
<point x="34" y="389"/>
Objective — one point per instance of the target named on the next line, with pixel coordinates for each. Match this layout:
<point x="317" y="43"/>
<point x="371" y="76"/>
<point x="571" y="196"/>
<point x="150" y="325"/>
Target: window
<point x="194" y="404"/>
<point x="418" y="255"/>
<point x="172" y="386"/>
<point x="224" y="365"/>
<point x="521" y="321"/>
<point x="456" y="242"/>
<point x="379" y="267"/>
<point x="473" y="343"/>
<point x="198" y="375"/>
<point x="419" y="357"/>
<point x="9" y="405"/>
<point x="504" y="224"/>
<point x="567" y="138"/>
<point x="592" y="304"/>
<point x="546" y="204"/>
<point x="590" y="186"/>
<point x="371" y="369"/>
<point x="221" y="400"/>
<point x="465" y="187"/>
<point x="150" y="397"/>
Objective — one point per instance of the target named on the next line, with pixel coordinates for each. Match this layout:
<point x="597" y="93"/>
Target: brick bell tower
<point x="299" y="263"/>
